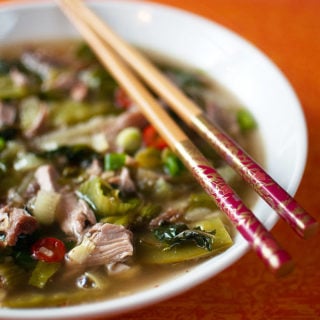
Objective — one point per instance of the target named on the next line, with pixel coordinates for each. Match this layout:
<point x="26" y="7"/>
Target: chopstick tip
<point x="280" y="262"/>
<point x="311" y="230"/>
<point x="285" y="269"/>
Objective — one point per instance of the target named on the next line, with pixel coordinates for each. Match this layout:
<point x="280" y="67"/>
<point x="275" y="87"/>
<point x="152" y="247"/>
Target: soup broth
<point x="94" y="204"/>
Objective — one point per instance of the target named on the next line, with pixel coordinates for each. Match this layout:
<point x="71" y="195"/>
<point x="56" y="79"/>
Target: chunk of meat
<point x="7" y="114"/>
<point x="47" y="176"/>
<point x="124" y="182"/>
<point x="18" y="78"/>
<point x="131" y="118"/>
<point x="41" y="62"/>
<point x="102" y="244"/>
<point x="14" y="222"/>
<point x="74" y="215"/>
<point x="95" y="168"/>
<point x="64" y="81"/>
<point x="227" y="120"/>
<point x="79" y="91"/>
<point x="51" y="70"/>
<point x="170" y="215"/>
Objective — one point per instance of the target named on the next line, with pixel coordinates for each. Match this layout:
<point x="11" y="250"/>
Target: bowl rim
<point x="151" y="296"/>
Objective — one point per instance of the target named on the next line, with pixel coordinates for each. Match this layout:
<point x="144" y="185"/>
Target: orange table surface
<point x="288" y="31"/>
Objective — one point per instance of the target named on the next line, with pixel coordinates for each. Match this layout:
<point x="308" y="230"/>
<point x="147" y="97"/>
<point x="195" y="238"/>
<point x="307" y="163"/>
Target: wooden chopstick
<point x="285" y="205"/>
<point x="267" y="248"/>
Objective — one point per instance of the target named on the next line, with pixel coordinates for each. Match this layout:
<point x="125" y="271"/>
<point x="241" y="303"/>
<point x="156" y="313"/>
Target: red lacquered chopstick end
<point x="310" y="229"/>
<point x="283" y="265"/>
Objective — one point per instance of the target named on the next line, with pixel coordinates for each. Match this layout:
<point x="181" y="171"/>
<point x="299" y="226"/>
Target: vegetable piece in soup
<point x="93" y="201"/>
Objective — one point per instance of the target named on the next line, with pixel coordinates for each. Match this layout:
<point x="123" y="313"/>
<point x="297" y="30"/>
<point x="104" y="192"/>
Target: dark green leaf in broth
<point x="177" y="234"/>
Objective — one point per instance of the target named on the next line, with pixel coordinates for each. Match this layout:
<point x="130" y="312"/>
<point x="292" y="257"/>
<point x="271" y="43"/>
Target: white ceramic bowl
<point x="224" y="56"/>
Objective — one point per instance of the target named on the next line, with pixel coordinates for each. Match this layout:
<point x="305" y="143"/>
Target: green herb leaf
<point x="76" y="154"/>
<point x="177" y="234"/>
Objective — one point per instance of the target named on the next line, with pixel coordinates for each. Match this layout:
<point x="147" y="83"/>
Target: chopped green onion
<point x="245" y="120"/>
<point x="129" y="139"/>
<point x="114" y="161"/>
<point x="173" y="165"/>
<point x="149" y="158"/>
<point x="43" y="272"/>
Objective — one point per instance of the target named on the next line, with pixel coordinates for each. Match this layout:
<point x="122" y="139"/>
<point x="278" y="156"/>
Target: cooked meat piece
<point x="74" y="215"/>
<point x="211" y="110"/>
<point x="131" y="118"/>
<point x="79" y="91"/>
<point x="226" y="120"/>
<point x="7" y="114"/>
<point x="170" y="215"/>
<point x="124" y="182"/>
<point x="40" y="62"/>
<point x="18" y="78"/>
<point x="81" y="133"/>
<point x="20" y="195"/>
<point x="47" y="177"/>
<point x="64" y="81"/>
<point x="95" y="168"/>
<point x="31" y="190"/>
<point x="102" y="244"/>
<point x="14" y="222"/>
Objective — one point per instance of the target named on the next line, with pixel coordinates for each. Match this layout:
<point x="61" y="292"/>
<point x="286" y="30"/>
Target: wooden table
<point x="288" y="31"/>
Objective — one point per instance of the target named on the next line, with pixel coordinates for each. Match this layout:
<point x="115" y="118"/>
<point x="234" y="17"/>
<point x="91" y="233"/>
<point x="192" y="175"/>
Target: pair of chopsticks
<point x="117" y="55"/>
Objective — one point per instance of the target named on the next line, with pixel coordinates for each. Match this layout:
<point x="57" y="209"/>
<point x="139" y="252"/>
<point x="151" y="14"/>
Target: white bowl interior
<point x="224" y="56"/>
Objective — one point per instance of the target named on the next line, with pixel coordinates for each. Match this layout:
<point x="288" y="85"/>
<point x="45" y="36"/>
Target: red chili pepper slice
<point x="151" y="138"/>
<point x="48" y="250"/>
<point x="122" y="100"/>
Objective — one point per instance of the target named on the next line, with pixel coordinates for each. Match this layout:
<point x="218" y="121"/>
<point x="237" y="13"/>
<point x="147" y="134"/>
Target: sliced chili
<point x="151" y="138"/>
<point x="122" y="100"/>
<point x="48" y="250"/>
